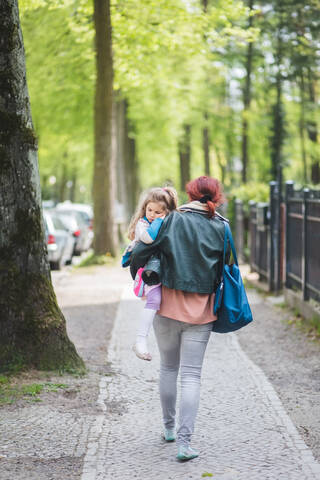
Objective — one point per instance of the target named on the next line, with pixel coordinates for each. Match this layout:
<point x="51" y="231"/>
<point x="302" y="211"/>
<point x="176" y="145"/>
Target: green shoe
<point x="186" y="453"/>
<point x="169" y="435"/>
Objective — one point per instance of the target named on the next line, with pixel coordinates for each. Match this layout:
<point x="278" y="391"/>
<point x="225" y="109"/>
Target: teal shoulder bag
<point x="231" y="303"/>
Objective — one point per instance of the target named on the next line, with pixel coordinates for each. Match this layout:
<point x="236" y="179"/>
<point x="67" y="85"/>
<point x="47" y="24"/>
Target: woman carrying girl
<point x="190" y="245"/>
<point x="144" y="227"/>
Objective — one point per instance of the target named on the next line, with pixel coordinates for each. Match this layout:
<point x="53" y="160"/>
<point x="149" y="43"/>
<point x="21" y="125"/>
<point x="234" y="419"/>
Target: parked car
<point x="60" y="243"/>
<point x="74" y="223"/>
<point x="83" y="209"/>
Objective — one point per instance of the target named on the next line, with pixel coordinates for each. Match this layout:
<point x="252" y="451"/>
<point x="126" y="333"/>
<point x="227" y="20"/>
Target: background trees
<point x="231" y="85"/>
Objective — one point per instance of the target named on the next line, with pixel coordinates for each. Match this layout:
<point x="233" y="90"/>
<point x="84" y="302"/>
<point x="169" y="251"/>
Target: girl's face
<point x="154" y="210"/>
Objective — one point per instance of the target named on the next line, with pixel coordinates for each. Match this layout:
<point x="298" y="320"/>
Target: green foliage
<point x="92" y="259"/>
<point x="174" y="62"/>
<point x="252" y="191"/>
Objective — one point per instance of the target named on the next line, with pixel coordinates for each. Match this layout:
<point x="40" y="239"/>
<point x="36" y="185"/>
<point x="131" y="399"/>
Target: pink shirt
<point x="196" y="308"/>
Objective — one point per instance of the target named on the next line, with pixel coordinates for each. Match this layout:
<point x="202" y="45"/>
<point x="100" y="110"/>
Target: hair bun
<point x="205" y="198"/>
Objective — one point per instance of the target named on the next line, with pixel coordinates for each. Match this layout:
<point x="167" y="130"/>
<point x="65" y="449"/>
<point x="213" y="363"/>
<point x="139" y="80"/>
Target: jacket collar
<point x="197" y="207"/>
<point x="194" y="206"/>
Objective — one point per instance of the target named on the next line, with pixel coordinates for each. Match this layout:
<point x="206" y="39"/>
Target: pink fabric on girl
<point x="138" y="286"/>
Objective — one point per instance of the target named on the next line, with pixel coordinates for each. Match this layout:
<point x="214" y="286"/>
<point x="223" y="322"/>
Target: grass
<point x="93" y="260"/>
<point x="11" y="390"/>
<point x="310" y="327"/>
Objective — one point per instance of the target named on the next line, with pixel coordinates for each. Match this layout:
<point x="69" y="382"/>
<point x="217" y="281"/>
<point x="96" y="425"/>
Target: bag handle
<point x="228" y="236"/>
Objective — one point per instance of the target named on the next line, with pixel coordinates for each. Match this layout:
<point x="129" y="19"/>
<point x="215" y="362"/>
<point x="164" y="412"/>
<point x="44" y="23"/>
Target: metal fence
<point x="303" y="241"/>
<point x="259" y="237"/>
<point x="284" y="239"/>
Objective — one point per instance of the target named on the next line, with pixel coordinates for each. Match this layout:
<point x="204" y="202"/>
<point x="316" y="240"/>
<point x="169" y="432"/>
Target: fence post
<point x="305" y="293"/>
<point x="289" y="194"/>
<point x="252" y="235"/>
<point x="273" y="185"/>
<point x="239" y="227"/>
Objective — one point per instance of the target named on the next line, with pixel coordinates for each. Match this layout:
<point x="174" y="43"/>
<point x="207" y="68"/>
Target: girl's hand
<point x="162" y="216"/>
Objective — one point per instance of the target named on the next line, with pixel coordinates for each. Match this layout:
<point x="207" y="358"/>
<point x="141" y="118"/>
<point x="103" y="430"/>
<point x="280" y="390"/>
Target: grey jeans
<point x="182" y="346"/>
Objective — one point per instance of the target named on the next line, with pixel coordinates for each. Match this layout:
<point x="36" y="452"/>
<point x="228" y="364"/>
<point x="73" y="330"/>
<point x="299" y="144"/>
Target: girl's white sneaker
<point x="143" y="355"/>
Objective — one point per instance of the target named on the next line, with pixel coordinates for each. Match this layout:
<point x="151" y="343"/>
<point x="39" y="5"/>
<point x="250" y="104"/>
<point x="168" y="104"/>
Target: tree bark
<point x="302" y="128"/>
<point x="104" y="181"/>
<point x="206" y="145"/>
<point x="278" y="130"/>
<point x="63" y="179"/>
<point x="185" y="156"/>
<point x="246" y="104"/>
<point x="205" y="130"/>
<point x="33" y="331"/>
<point x="127" y="169"/>
<point x="312" y="130"/>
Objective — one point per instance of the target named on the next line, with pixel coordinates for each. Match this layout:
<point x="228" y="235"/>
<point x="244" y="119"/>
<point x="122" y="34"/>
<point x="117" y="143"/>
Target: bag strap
<point x="228" y="236"/>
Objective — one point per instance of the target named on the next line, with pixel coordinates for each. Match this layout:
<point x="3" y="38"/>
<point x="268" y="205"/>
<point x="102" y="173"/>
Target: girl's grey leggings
<point x="182" y="345"/>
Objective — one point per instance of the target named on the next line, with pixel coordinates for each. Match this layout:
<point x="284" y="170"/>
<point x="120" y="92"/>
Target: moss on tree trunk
<point x="32" y="327"/>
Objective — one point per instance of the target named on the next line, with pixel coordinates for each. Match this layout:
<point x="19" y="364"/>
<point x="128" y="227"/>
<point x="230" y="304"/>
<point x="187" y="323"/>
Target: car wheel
<point x="56" y="265"/>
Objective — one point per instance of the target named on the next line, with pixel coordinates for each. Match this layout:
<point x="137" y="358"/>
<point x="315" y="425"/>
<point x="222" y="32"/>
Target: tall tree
<point x="312" y="129"/>
<point x="185" y="156"/>
<point x="247" y="101"/>
<point x="205" y="130"/>
<point x="278" y="113"/>
<point x="127" y="168"/>
<point x="104" y="180"/>
<point x="33" y="331"/>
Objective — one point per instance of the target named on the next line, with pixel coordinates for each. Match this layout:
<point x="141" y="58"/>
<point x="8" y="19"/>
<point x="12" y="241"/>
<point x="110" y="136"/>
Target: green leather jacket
<point x="190" y="247"/>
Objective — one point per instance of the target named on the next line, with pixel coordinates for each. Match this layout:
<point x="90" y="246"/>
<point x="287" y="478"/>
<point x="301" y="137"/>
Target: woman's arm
<point x="139" y="256"/>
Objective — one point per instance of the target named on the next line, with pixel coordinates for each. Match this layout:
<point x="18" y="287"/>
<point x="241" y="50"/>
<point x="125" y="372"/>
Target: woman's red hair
<point x="201" y="186"/>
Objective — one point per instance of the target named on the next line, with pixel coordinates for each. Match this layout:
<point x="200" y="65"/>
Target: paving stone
<point x="242" y="430"/>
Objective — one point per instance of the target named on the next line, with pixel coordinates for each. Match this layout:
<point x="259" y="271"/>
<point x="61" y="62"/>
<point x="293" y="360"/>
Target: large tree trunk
<point x="185" y="156"/>
<point x="32" y="327"/>
<point x="246" y="103"/>
<point x="104" y="181"/>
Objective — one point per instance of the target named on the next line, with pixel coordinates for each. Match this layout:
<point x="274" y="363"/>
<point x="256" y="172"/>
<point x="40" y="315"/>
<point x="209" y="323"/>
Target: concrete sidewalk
<point x="242" y="430"/>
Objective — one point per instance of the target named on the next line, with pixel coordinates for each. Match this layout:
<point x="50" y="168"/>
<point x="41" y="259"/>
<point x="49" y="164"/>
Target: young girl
<point x="144" y="227"/>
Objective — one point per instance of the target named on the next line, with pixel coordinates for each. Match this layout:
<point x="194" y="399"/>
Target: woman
<point x="190" y="246"/>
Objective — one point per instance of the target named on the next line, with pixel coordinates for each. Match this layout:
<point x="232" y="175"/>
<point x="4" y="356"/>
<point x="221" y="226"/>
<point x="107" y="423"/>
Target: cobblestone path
<point x="242" y="430"/>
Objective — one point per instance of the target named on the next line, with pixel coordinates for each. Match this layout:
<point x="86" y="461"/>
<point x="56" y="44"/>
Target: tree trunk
<point x="127" y="179"/>
<point x="185" y="156"/>
<point x="302" y="128"/>
<point x="246" y="103"/>
<point x="104" y="181"/>
<point x="312" y="130"/>
<point x="33" y="331"/>
<point x="63" y="179"/>
<point x="73" y="188"/>
<point x="206" y="145"/>
<point x="278" y="131"/>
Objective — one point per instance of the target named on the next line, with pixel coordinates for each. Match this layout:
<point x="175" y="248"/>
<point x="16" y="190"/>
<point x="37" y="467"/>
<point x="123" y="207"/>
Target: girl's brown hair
<point x="166" y="196"/>
<point x="208" y="189"/>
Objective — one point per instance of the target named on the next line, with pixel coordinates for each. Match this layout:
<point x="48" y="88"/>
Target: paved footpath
<point x="242" y="430"/>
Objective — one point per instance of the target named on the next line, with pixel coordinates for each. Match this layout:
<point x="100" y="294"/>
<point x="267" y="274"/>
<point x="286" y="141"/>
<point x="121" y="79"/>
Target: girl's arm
<point x="150" y="233"/>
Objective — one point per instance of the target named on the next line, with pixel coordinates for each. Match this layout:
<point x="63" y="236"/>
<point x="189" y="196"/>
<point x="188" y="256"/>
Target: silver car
<point x="60" y="243"/>
<point x="78" y="225"/>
